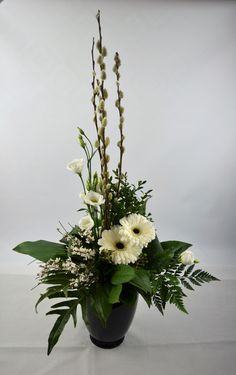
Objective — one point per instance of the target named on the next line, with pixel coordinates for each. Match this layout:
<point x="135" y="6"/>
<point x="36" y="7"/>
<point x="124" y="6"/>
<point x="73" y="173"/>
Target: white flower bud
<point x="86" y="223"/>
<point x="187" y="258"/>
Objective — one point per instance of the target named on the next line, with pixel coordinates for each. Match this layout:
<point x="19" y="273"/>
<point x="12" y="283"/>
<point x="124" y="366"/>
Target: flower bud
<point x="103" y="75"/>
<point x="117" y="103"/>
<point x="122" y="110"/>
<point x="101" y="105"/>
<point x="122" y="119"/>
<point x="103" y="66"/>
<point x="110" y="196"/>
<point x="105" y="93"/>
<point x="81" y="141"/>
<point x="96" y="143"/>
<point x="104" y="122"/>
<point x="104" y="51"/>
<point x="187" y="258"/>
<point x="119" y="143"/>
<point x="81" y="131"/>
<point x="100" y="131"/>
<point x="107" y="141"/>
<point x="107" y="158"/>
<point x="121" y="94"/>
<point x="100" y="59"/>
<point x="115" y="70"/>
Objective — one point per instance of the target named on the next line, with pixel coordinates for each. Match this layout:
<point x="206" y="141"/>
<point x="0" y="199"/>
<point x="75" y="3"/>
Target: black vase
<point x="117" y="325"/>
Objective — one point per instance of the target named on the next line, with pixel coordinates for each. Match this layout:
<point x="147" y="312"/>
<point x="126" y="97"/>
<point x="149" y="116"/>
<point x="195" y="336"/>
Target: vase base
<point x="106" y="344"/>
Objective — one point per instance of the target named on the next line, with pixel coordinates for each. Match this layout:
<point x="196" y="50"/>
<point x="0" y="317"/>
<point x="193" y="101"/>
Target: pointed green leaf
<point x="42" y="250"/>
<point x="114" y="295"/>
<point x="123" y="274"/>
<point x="101" y="305"/>
<point x="142" y="280"/>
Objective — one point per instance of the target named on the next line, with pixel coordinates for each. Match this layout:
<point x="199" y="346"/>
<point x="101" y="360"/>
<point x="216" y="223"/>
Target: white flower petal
<point x="92" y="198"/>
<point x="76" y="166"/>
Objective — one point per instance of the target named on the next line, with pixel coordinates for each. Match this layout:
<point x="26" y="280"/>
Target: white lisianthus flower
<point x="76" y="166"/>
<point x="138" y="229"/>
<point x="86" y="223"/>
<point x="187" y="258"/>
<point x="92" y="198"/>
<point x="121" y="251"/>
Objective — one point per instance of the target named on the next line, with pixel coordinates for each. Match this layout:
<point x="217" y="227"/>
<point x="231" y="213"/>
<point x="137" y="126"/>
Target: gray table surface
<point x="203" y="342"/>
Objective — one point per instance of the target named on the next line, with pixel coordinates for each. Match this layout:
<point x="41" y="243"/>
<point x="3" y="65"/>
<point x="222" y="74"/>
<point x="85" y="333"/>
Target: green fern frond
<point x="158" y="302"/>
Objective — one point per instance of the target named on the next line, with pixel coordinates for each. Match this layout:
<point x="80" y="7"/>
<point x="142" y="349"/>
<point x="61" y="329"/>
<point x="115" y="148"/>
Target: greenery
<point x="113" y="252"/>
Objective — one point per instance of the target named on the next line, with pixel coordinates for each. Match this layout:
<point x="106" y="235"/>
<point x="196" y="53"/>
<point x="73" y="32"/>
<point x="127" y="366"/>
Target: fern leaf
<point x="186" y="284"/>
<point x="179" y="269"/>
<point x="158" y="302"/>
<point x="59" y="325"/>
<point x="189" y="270"/>
<point x="177" y="299"/>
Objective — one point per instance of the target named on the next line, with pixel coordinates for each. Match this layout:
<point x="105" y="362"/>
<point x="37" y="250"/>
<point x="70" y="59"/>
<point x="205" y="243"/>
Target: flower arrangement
<point x="113" y="252"/>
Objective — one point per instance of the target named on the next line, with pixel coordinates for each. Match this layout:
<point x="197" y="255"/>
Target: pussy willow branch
<point x="103" y="121"/>
<point x="95" y="119"/>
<point x="121" y="118"/>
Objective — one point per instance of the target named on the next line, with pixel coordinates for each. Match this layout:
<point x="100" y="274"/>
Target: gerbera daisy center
<point x="136" y="230"/>
<point x="120" y="245"/>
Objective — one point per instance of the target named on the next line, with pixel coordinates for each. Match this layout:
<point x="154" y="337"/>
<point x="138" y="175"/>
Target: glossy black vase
<point x="116" y="328"/>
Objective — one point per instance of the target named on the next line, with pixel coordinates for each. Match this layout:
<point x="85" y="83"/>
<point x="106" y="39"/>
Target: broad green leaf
<point x="142" y="280"/>
<point x="128" y="294"/>
<point x="173" y="246"/>
<point x="101" y="304"/>
<point x="42" y="250"/>
<point x="123" y="274"/>
<point x="114" y="295"/>
<point x="153" y="251"/>
<point x="146" y="296"/>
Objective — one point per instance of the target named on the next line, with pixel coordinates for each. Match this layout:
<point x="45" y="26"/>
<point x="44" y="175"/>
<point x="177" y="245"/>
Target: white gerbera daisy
<point x="122" y="251"/>
<point x="138" y="229"/>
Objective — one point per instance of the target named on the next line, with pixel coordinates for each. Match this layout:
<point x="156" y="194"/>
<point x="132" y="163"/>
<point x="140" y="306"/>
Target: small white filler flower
<point x="138" y="229"/>
<point x="92" y="198"/>
<point x="187" y="258"/>
<point x="76" y="166"/>
<point x="86" y="223"/>
<point x="121" y="251"/>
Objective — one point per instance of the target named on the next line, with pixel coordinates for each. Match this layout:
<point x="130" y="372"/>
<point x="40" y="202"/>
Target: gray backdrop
<point x="178" y="76"/>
